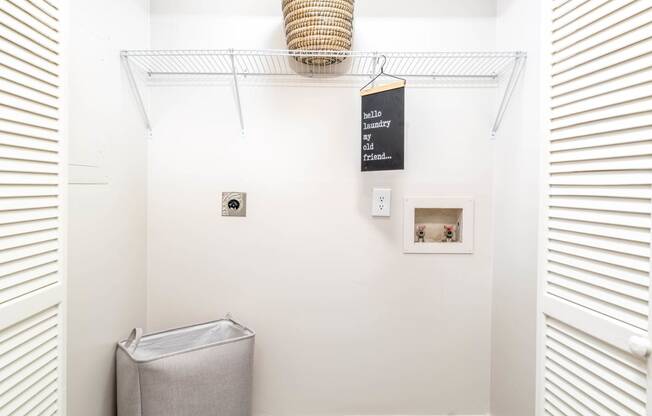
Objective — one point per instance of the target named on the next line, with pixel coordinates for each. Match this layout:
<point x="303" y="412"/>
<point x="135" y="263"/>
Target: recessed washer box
<point x="438" y="225"/>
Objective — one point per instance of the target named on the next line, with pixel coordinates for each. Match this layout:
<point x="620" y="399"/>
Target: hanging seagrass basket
<point x="318" y="25"/>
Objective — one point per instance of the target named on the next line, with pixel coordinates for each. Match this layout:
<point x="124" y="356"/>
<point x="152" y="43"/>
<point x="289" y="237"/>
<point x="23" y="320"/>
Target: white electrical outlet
<point x="381" y="202"/>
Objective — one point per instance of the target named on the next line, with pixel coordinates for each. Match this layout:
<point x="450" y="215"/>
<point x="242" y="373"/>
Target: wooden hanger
<point x="382" y="72"/>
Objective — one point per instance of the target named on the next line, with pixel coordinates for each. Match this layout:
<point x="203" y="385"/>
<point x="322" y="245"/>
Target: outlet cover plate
<point x="234" y="204"/>
<point x="381" y="202"/>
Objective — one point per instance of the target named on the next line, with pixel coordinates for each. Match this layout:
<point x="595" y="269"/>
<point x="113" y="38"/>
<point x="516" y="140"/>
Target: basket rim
<point x="285" y="2"/>
<point x="252" y="334"/>
<point x="312" y="4"/>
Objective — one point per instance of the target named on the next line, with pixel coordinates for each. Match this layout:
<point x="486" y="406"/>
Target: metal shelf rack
<point x="428" y="68"/>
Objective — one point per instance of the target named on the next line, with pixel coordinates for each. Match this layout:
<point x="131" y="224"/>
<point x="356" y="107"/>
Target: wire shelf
<point x="433" y="65"/>
<point x="479" y="68"/>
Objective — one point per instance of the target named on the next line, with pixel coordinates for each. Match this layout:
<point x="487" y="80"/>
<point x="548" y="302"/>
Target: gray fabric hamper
<point x="199" y="370"/>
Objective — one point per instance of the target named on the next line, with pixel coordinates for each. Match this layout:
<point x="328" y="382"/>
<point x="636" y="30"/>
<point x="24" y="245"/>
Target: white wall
<point x="346" y="323"/>
<point x="516" y="198"/>
<point x="107" y="222"/>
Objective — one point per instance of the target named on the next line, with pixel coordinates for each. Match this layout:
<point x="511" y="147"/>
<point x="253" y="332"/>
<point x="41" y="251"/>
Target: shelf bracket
<point x="517" y="69"/>
<point x="137" y="94"/>
<point x="236" y="89"/>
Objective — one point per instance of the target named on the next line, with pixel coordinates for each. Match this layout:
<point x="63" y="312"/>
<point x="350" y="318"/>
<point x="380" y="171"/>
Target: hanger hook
<point x="382" y="66"/>
<point x="382" y="72"/>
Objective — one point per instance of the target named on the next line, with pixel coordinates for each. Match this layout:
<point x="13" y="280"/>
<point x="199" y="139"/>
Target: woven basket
<point x="318" y="25"/>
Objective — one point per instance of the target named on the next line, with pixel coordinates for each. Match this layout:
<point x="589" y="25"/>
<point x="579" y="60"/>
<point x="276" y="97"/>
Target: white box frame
<point x="465" y="246"/>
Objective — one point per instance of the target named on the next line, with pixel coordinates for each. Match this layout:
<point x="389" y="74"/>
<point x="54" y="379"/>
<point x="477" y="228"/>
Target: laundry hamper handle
<point x="134" y="339"/>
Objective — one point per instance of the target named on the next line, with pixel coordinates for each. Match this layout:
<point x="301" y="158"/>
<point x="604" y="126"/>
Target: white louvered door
<point x="31" y="193"/>
<point x="594" y="326"/>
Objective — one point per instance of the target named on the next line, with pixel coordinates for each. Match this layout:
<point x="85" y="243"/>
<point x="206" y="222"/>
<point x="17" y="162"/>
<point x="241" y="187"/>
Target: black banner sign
<point x="383" y="128"/>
